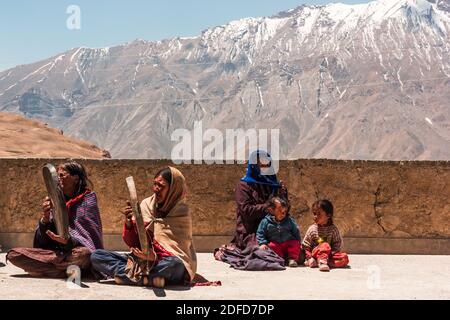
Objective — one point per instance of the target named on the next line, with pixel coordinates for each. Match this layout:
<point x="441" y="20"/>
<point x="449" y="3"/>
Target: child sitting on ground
<point x="323" y="242"/>
<point x="279" y="232"/>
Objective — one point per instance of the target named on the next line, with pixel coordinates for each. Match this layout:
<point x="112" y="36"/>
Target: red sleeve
<point x="130" y="236"/>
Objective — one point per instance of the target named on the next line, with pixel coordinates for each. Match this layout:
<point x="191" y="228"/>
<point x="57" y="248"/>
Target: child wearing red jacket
<point x="322" y="242"/>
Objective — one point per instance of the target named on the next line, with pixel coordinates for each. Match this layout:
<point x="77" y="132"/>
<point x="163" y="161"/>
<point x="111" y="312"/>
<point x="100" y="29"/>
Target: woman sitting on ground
<point x="169" y="232"/>
<point x="252" y="196"/>
<point x="51" y="254"/>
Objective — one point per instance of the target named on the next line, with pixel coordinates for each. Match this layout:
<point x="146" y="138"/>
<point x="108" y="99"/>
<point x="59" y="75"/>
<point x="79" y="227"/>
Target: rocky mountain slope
<point x="22" y="138"/>
<point x="367" y="81"/>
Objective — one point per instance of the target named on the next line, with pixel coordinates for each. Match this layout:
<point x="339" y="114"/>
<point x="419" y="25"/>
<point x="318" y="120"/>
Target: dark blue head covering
<point x="254" y="174"/>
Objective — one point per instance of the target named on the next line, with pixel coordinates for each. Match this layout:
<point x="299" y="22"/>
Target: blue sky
<point x="33" y="30"/>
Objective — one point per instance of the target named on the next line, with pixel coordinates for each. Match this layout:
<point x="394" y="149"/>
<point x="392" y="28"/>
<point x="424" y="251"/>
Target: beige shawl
<point x="174" y="231"/>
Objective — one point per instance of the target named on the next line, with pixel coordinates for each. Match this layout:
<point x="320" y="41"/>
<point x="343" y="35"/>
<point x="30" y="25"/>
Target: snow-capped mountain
<point x="367" y="81"/>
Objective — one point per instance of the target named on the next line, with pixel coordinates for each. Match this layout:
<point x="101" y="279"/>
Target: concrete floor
<point x="370" y="277"/>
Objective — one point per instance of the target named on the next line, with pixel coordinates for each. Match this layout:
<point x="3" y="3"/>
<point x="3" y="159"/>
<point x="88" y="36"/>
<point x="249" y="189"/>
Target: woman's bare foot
<point x="159" y="282"/>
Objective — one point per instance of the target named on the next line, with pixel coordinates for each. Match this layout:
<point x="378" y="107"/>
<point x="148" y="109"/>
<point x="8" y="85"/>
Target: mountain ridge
<point x="324" y="75"/>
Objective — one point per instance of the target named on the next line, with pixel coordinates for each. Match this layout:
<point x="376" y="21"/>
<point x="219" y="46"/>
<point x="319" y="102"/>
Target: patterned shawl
<point x="85" y="225"/>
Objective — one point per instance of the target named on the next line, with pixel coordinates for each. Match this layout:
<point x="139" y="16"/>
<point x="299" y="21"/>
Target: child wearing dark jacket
<point x="279" y="232"/>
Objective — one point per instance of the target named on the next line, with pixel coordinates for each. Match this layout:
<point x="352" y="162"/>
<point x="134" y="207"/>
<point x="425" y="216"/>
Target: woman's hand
<point x="128" y="213"/>
<point x="138" y="253"/>
<point x="57" y="238"/>
<point x="264" y="247"/>
<point x="283" y="192"/>
<point x="46" y="208"/>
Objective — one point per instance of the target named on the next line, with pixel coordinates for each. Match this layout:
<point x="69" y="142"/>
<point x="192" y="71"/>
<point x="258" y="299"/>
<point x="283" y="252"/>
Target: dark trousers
<point x="113" y="264"/>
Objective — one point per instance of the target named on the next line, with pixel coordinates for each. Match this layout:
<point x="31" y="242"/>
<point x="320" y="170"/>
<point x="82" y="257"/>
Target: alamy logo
<point x="214" y="147"/>
<point x="73" y="22"/>
<point x="74" y="277"/>
<point x="374" y="279"/>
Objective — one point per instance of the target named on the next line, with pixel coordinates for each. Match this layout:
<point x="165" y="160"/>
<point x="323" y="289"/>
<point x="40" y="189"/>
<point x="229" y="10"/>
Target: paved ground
<point x="370" y="277"/>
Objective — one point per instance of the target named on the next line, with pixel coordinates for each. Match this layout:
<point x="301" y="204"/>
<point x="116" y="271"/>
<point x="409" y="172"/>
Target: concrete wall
<point x="380" y="207"/>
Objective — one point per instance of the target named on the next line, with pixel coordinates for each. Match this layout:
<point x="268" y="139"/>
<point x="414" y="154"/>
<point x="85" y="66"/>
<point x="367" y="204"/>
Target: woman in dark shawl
<point x="252" y="193"/>
<point x="51" y="254"/>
